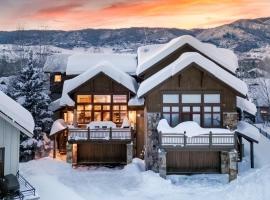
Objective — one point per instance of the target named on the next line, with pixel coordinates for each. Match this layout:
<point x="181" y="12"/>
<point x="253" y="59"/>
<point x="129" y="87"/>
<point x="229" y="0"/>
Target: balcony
<point x="100" y="135"/>
<point x="206" y="141"/>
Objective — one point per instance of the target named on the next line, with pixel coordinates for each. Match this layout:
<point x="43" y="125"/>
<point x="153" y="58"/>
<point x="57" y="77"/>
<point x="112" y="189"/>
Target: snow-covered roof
<point x="184" y="61"/>
<point x="246" y="105"/>
<point x="79" y="63"/>
<point x="55" y="105"/>
<point x="17" y="115"/>
<point x="103" y="67"/>
<point x="135" y="101"/>
<point x="56" y="63"/>
<point x="58" y="125"/>
<point x="224" y="57"/>
<point x="191" y="129"/>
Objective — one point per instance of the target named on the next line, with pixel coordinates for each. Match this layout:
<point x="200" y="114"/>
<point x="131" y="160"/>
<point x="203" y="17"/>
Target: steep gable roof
<point x="16" y="115"/>
<point x="224" y="57"/>
<point x="185" y="60"/>
<point x="103" y="67"/>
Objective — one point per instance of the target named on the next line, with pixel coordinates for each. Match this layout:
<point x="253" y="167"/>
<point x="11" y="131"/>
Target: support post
<point x="162" y="163"/>
<point x="69" y="153"/>
<point x="233" y="167"/>
<point x="129" y="152"/>
<point x="224" y="159"/>
<point x="251" y="154"/>
<point x="54" y="147"/>
<point x="240" y="148"/>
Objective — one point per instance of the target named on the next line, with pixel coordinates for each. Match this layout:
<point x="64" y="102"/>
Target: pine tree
<point x="29" y="90"/>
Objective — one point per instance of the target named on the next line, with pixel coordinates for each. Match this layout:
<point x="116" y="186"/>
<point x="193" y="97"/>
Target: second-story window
<point x="57" y="78"/>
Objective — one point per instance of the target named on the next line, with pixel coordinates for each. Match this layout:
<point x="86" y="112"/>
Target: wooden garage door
<point x="102" y="153"/>
<point x="2" y="160"/>
<point x="193" y="162"/>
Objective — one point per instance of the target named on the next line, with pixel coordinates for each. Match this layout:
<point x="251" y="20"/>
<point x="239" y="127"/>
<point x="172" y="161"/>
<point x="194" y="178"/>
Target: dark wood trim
<point x="2" y="162"/>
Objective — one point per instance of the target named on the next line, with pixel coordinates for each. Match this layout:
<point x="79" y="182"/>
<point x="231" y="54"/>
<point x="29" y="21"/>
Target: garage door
<point x="193" y="162"/>
<point x="2" y="160"/>
<point x="101" y="153"/>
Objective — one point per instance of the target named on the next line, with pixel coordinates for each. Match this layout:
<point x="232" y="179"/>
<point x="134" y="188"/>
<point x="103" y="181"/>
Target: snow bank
<point x="246" y="105"/>
<point x="79" y="63"/>
<point x="191" y="128"/>
<point x="224" y="57"/>
<point x="101" y="124"/>
<point x="104" y="67"/>
<point x="17" y="113"/>
<point x="184" y="61"/>
<point x="57" y="126"/>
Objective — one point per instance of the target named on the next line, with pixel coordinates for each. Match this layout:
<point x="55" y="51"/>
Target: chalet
<point x="113" y="103"/>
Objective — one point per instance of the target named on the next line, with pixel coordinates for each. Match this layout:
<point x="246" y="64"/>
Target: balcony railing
<point x="210" y="140"/>
<point x="100" y="134"/>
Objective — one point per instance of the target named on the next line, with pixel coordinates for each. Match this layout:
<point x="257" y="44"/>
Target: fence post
<point x="110" y="136"/>
<point x="185" y="139"/>
<point x="160" y="138"/>
<point x="88" y="133"/>
<point x="210" y="138"/>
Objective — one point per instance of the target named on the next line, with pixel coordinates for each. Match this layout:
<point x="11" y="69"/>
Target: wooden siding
<point x="9" y="139"/>
<point x="192" y="80"/>
<point x="140" y="133"/>
<point x="2" y="161"/>
<point x="193" y="162"/>
<point x="97" y="153"/>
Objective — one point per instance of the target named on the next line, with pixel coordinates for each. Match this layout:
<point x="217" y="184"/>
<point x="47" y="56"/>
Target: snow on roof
<point x="224" y="57"/>
<point x="58" y="125"/>
<point x="246" y="105"/>
<point x="104" y="67"/>
<point x="55" y="105"/>
<point x="56" y="63"/>
<point x="248" y="130"/>
<point x="16" y="114"/>
<point x="135" y="101"/>
<point x="191" y="128"/>
<point x="79" y="63"/>
<point x="184" y="61"/>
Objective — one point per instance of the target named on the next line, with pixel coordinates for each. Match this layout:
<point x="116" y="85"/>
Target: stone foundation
<point x="129" y="153"/>
<point x="224" y="159"/>
<point x="162" y="163"/>
<point x="152" y="142"/>
<point x="230" y="119"/>
<point x="233" y="165"/>
<point x="69" y="153"/>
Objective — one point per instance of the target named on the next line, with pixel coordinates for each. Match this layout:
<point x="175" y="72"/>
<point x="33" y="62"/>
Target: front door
<point x="2" y="161"/>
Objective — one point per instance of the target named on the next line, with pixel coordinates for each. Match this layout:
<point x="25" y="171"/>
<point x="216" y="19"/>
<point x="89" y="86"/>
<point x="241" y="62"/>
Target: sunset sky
<point x="79" y="14"/>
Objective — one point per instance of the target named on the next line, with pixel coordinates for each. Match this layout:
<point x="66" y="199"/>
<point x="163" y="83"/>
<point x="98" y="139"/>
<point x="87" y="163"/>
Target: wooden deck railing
<point x="100" y="134"/>
<point x="206" y="140"/>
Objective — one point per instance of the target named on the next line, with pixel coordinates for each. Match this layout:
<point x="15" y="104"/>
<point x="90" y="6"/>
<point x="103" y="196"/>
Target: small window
<point x="120" y="98"/>
<point x="102" y="98"/>
<point x="57" y="78"/>
<point x="84" y="99"/>
<point x="191" y="98"/>
<point x="170" y="98"/>
<point x="212" y="98"/>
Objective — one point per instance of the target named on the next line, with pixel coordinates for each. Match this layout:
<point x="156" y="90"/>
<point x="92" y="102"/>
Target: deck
<point x="209" y="141"/>
<point x="122" y="135"/>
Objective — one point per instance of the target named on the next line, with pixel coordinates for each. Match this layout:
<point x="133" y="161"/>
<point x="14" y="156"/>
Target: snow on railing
<point x="211" y="139"/>
<point x="100" y="134"/>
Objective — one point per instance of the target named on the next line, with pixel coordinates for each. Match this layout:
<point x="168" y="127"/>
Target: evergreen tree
<point x="29" y="90"/>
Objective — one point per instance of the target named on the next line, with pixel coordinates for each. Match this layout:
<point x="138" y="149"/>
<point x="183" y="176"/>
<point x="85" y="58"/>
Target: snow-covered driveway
<point x="56" y="180"/>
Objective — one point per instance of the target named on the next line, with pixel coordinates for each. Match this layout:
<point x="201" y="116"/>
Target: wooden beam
<point x="251" y="154"/>
<point x="54" y="147"/>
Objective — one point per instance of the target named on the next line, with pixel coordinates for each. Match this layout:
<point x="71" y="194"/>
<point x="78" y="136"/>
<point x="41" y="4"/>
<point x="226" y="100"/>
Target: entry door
<point x="2" y="161"/>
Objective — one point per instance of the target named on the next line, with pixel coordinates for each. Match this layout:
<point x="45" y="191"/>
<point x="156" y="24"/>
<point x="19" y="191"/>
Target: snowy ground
<point x="56" y="180"/>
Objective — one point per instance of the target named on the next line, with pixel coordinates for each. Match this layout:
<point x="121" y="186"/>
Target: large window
<point x="201" y="108"/>
<point x="101" y="108"/>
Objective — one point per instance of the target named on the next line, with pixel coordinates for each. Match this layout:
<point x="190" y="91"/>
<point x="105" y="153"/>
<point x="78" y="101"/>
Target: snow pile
<point x="246" y="105"/>
<point x="101" y="124"/>
<point x="224" y="57"/>
<point x="261" y="149"/>
<point x="57" y="126"/>
<point x="104" y="67"/>
<point x="17" y="113"/>
<point x="79" y="63"/>
<point x="184" y="61"/>
<point x="191" y="128"/>
<point x="135" y="101"/>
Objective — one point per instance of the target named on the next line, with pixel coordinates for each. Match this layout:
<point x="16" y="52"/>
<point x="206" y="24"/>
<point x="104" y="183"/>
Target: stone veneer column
<point x="129" y="152"/>
<point x="152" y="142"/>
<point x="224" y="159"/>
<point x="69" y="153"/>
<point x="233" y="165"/>
<point x="162" y="163"/>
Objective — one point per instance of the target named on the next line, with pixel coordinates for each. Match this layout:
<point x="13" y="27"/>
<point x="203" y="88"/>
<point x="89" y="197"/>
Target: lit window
<point x="119" y="98"/>
<point x="102" y="98"/>
<point x="68" y="117"/>
<point x="84" y="99"/>
<point x="57" y="78"/>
